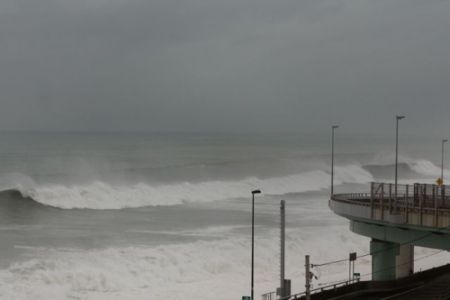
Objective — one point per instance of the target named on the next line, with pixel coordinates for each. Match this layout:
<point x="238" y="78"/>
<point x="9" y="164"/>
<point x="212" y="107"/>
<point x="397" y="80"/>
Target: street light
<point x="398" y="118"/>
<point x="332" y="157"/>
<point x="254" y="192"/>
<point x="442" y="161"/>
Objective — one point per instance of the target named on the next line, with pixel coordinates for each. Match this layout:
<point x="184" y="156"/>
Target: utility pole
<point x="284" y="290"/>
<point x="307" y="278"/>
<point x="253" y="241"/>
<point x="282" y="249"/>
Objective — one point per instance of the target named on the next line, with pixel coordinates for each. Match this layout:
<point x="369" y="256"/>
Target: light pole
<point x="397" y="118"/>
<point x="253" y="236"/>
<point x="332" y="158"/>
<point x="442" y="161"/>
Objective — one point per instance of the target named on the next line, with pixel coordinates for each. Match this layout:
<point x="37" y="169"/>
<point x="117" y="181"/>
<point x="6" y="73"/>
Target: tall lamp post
<point x="332" y="158"/>
<point x="442" y="161"/>
<point x="254" y="192"/>
<point x="397" y="118"/>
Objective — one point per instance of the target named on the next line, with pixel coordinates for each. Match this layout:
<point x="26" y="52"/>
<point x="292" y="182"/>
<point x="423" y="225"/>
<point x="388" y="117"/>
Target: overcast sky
<point x="224" y="65"/>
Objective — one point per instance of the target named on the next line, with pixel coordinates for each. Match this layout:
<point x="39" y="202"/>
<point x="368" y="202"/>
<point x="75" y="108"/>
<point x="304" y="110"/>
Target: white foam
<point x="387" y="158"/>
<point x="101" y="195"/>
<point x="426" y="167"/>
<point x="212" y="231"/>
<point x="352" y="174"/>
<point x="199" y="270"/>
<point x="203" y="270"/>
<point x="420" y="166"/>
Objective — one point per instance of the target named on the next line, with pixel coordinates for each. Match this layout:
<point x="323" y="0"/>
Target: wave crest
<point x="101" y="195"/>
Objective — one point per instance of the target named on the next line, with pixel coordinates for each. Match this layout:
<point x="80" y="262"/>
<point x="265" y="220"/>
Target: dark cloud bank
<point x="214" y="65"/>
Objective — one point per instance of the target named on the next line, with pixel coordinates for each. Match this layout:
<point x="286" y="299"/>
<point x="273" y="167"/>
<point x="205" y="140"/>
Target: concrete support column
<point x="383" y="259"/>
<point x="405" y="261"/>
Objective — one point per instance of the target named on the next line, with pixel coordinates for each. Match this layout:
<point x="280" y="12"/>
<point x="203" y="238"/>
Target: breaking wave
<point x="195" y="270"/>
<point x="408" y="168"/>
<point x="101" y="195"/>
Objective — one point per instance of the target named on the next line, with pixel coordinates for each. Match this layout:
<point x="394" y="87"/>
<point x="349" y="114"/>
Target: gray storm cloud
<point x="210" y="65"/>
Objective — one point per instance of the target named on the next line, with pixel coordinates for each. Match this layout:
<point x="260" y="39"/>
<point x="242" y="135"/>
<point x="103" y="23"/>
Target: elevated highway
<point x="417" y="215"/>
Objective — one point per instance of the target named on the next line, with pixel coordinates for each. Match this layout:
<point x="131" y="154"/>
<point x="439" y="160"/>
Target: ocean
<point x="167" y="216"/>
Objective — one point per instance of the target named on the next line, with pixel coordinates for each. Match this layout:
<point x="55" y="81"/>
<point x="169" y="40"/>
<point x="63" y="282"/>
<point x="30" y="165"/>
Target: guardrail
<point x="421" y="277"/>
<point x="269" y="296"/>
<point x="273" y="296"/>
<point x="319" y="290"/>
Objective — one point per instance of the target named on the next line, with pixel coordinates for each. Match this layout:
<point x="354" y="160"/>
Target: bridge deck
<point x="418" y="205"/>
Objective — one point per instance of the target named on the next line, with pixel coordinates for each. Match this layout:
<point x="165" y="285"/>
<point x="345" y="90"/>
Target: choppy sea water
<point x="136" y="216"/>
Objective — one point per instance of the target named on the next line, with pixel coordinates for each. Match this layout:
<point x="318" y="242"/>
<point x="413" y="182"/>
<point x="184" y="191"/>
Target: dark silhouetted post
<point x="397" y="118"/>
<point x="332" y="158"/>
<point x="442" y="161"/>
<point x="253" y="238"/>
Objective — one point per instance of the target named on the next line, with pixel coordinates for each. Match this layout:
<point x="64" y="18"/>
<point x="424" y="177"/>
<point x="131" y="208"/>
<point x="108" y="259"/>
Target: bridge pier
<point x="383" y="259"/>
<point x="391" y="260"/>
<point x="405" y="261"/>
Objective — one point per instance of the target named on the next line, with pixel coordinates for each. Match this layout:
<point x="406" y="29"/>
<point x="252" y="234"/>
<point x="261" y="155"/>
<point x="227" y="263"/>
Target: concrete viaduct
<point x="396" y="220"/>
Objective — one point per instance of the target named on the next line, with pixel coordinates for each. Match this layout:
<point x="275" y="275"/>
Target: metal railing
<point x="427" y="195"/>
<point x="321" y="289"/>
<point x="273" y="296"/>
<point x="418" y="198"/>
<point x="269" y="296"/>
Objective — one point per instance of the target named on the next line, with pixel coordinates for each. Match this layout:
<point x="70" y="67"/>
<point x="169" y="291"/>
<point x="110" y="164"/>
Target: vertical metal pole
<point x="421" y="198"/>
<point x="407" y="203"/>
<point x="353" y="271"/>
<point x="332" y="158"/>
<point x="442" y="161"/>
<point x="371" y="199"/>
<point x="390" y="197"/>
<point x="417" y="191"/>
<point x="435" y="192"/>
<point x="397" y="118"/>
<point x="253" y="240"/>
<point x="382" y="202"/>
<point x="442" y="195"/>
<point x="282" y="250"/>
<point x="349" y="270"/>
<point x="396" y="158"/>
<point x="307" y="279"/>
